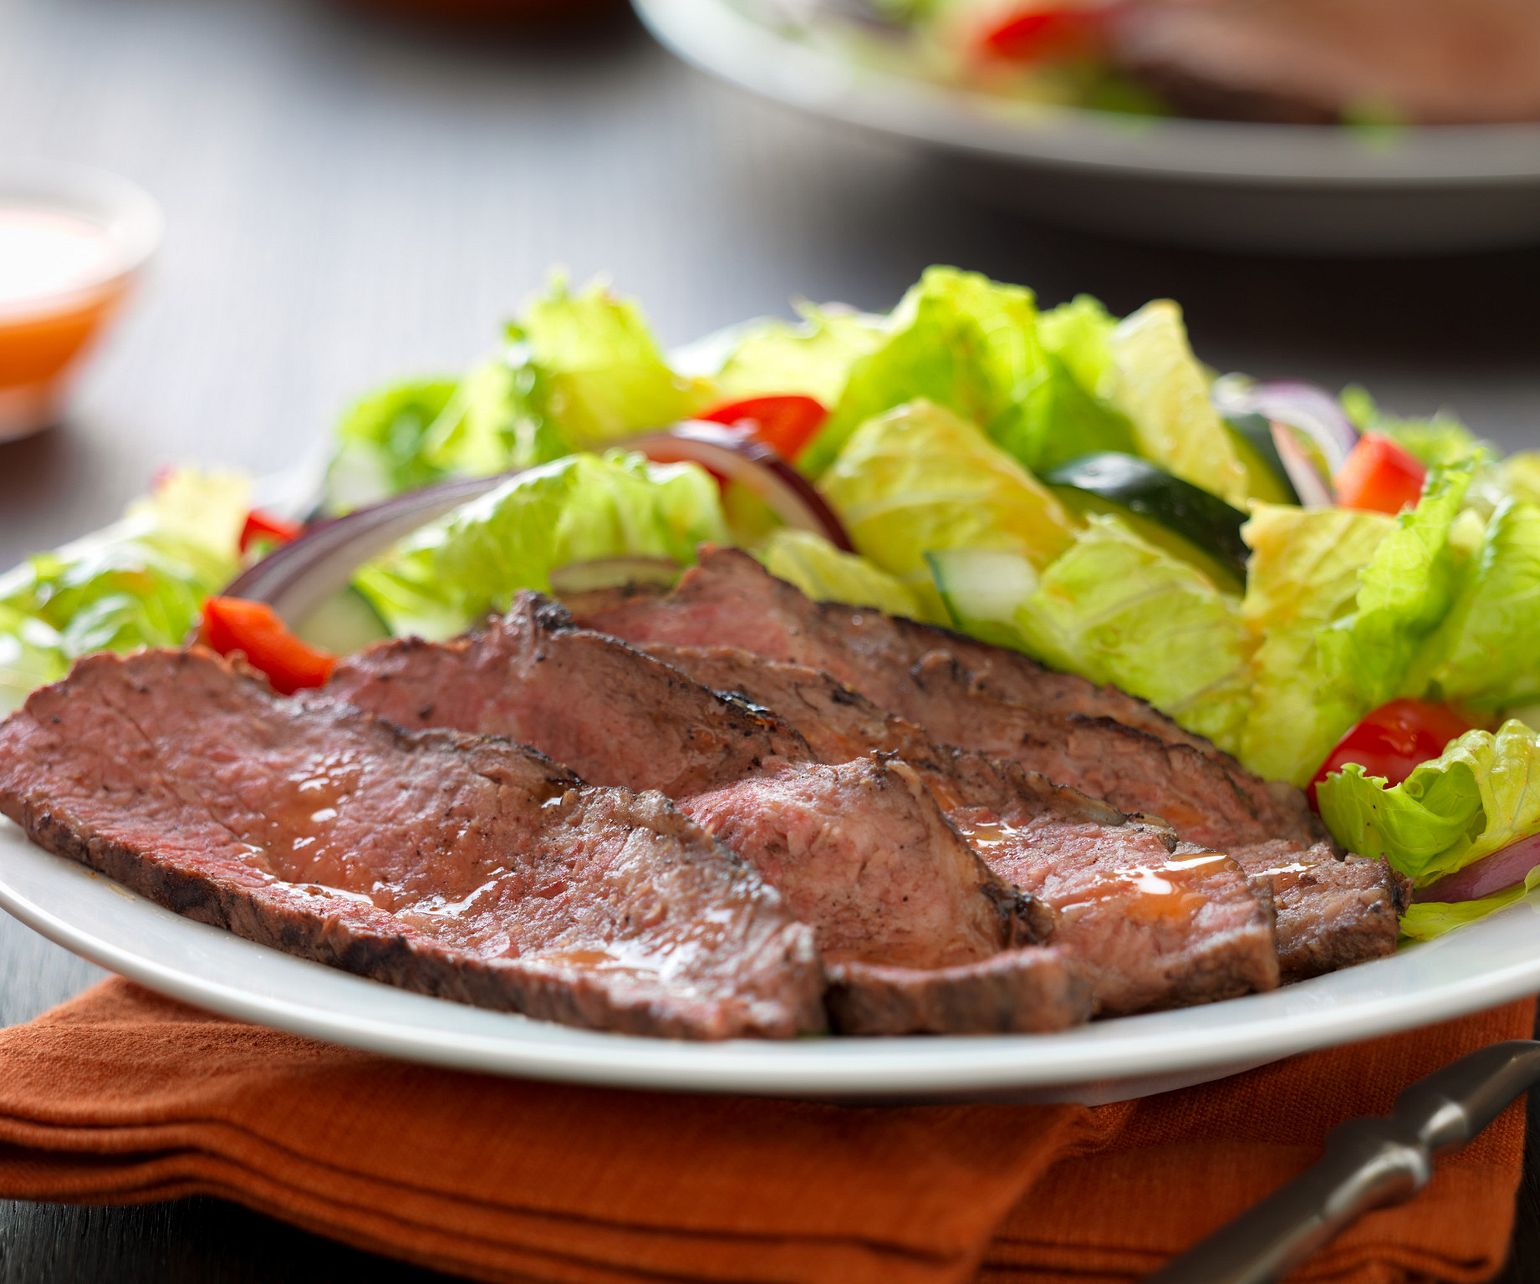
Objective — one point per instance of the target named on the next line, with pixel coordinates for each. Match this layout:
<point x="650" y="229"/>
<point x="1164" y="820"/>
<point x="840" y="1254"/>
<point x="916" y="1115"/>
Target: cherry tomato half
<point x="1380" y="476"/>
<point x="785" y="423"/>
<point x="1394" y="739"/>
<point x="1041" y="34"/>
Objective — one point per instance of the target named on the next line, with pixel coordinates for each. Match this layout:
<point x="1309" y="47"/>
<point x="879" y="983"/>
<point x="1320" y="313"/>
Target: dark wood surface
<point x="351" y="199"/>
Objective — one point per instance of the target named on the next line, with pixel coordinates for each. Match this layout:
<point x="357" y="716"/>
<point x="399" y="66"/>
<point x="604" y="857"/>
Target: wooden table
<point x="350" y="200"/>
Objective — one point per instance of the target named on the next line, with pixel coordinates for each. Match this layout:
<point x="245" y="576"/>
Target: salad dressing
<point x="61" y="277"/>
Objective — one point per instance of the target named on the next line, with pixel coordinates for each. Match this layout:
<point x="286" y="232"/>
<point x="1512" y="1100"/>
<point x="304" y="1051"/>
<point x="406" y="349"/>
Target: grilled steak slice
<point x="612" y="715"/>
<point x="526" y="676"/>
<point x="966" y="693"/>
<point x="918" y="934"/>
<point x="1317" y="61"/>
<point x="1152" y="929"/>
<point x="454" y="865"/>
<point x="1332" y="912"/>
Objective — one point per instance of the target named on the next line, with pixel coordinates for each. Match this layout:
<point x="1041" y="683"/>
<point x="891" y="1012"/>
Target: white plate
<point x="1277" y="187"/>
<point x="1481" y="965"/>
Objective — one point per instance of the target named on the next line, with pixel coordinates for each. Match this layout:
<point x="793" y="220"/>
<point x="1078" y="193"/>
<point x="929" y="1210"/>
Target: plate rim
<point x="715" y="36"/>
<point x="1137" y="1049"/>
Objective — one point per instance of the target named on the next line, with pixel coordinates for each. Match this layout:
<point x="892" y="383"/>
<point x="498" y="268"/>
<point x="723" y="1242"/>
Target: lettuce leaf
<point x="828" y="574"/>
<point x="594" y="368"/>
<point x="813" y="357"/>
<point x="449" y="574"/>
<point x="140" y="582"/>
<point x="1438" y="439"/>
<point x="1158" y="384"/>
<point x="919" y="479"/>
<point x="1115" y="608"/>
<point x="1404" y="592"/>
<point x="1486" y="652"/>
<point x="957" y="340"/>
<point x="1481" y="794"/>
<point x="381" y="443"/>
<point x="1303" y="577"/>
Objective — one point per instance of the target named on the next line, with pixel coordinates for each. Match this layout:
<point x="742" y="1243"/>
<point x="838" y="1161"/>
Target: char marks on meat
<point x="1151" y="928"/>
<point x="860" y="850"/>
<point x="962" y="692"/>
<point x="458" y="866"/>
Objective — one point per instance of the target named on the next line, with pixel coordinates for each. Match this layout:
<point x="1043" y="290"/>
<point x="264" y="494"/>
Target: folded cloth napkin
<point x="122" y="1096"/>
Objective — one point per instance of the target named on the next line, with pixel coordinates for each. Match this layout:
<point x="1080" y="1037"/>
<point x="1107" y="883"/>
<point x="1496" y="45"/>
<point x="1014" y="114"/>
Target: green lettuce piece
<point x="596" y="371"/>
<point x="828" y="574"/>
<point x="919" y="479"/>
<point x="1520" y="475"/>
<point x="1079" y="333"/>
<point x="1486" y="652"/>
<point x="1115" y="608"/>
<point x="1439" y="439"/>
<point x="1158" y="384"/>
<point x="1425" y="920"/>
<point x="31" y="655"/>
<point x="1303" y="577"/>
<point x="1481" y="794"/>
<point x="1404" y="592"/>
<point x="140" y="582"/>
<point x="448" y="575"/>
<point x="381" y="444"/>
<point x="813" y="357"/>
<point x="958" y="340"/>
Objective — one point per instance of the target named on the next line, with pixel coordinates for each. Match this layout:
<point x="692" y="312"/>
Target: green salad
<point x="1343" y="600"/>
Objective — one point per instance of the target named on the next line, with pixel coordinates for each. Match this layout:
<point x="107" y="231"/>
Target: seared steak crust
<point x="611" y="714"/>
<point x="458" y="866"/>
<point x="964" y="692"/>
<point x="861" y="850"/>
<point x="1151" y="929"/>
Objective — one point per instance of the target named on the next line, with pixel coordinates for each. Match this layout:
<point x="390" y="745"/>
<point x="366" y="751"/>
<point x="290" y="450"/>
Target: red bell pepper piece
<point x="785" y="423"/>
<point x="1380" y="476"/>
<point x="232" y="625"/>
<point x="1040" y="34"/>
<point x="265" y="526"/>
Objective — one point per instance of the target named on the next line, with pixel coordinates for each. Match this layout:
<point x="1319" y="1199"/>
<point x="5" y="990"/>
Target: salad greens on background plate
<point x="1343" y="600"/>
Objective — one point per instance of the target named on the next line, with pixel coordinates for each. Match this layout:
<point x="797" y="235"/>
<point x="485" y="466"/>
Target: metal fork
<point x="1368" y="1164"/>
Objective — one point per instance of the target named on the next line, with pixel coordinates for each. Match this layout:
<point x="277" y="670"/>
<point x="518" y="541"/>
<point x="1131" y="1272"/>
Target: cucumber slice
<point x="343" y="624"/>
<point x="981" y="589"/>
<point x="1173" y="514"/>
<point x="1267" y="477"/>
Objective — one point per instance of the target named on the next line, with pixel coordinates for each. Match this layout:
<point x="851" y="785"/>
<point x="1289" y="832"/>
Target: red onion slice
<point x="299" y="576"/>
<point x="1314" y="491"/>
<point x="733" y="454"/>
<point x="1304" y="407"/>
<point x="1491" y="874"/>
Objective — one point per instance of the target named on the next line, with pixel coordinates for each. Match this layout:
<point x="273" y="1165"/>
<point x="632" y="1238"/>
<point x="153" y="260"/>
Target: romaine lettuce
<point x="1480" y="795"/>
<point x="827" y="574"/>
<point x="812" y="358"/>
<point x="919" y="479"/>
<point x="447" y="575"/>
<point x="1115" y="608"/>
<point x="1158" y="384"/>
<point x="140" y="582"/>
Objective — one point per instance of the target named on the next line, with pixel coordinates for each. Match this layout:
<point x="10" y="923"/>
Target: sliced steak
<point x="963" y="692"/>
<point x="532" y="675"/>
<point x="1153" y="929"/>
<point x="1332" y="912"/>
<point x="1319" y="61"/>
<point x="454" y="865"/>
<point x="918" y="934"/>
<point x="612" y="715"/>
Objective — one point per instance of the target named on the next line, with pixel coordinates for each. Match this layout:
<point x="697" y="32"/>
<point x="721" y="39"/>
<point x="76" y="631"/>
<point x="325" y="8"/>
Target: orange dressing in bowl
<point x="63" y="274"/>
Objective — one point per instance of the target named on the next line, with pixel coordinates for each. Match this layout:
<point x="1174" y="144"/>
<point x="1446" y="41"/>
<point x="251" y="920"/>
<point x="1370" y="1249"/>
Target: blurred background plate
<point x="1280" y="188"/>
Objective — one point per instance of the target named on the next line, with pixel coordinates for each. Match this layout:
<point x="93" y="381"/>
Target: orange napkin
<point x="121" y="1096"/>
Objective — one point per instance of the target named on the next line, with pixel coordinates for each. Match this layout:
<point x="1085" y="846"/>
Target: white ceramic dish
<point x="1273" y="187"/>
<point x="1481" y="965"/>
